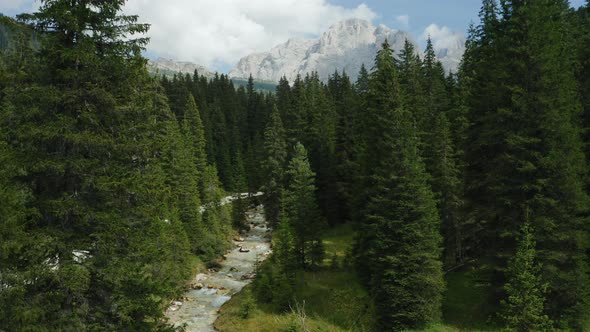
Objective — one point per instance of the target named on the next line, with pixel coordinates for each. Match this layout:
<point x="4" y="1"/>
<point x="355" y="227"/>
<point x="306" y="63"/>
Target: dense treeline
<point x="483" y="167"/>
<point x="104" y="169"/>
<point x="101" y="181"/>
<point x="524" y="154"/>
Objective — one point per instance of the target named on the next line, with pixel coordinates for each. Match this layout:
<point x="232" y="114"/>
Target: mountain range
<point x="346" y="45"/>
<point x="168" y="67"/>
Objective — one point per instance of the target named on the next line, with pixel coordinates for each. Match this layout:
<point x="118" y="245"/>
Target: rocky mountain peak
<point x="346" y="45"/>
<point x="167" y="66"/>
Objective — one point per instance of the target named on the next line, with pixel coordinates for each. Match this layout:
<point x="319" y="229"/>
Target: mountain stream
<point x="199" y="307"/>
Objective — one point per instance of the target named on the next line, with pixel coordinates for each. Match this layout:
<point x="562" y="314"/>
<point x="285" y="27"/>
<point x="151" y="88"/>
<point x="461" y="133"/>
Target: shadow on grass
<point x="469" y="300"/>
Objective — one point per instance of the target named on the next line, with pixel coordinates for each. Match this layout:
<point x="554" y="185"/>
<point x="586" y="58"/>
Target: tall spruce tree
<point x="192" y="127"/>
<point x="407" y="281"/>
<point x="446" y="185"/>
<point x="275" y="148"/>
<point x="346" y="147"/>
<point x="302" y="210"/>
<point x="524" y="307"/>
<point x="526" y="128"/>
<point x="382" y="98"/>
<point x="183" y="177"/>
<point x="398" y="249"/>
<point x="87" y="127"/>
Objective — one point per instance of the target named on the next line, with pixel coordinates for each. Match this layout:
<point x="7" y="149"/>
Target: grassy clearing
<point x="467" y="301"/>
<point x="332" y="298"/>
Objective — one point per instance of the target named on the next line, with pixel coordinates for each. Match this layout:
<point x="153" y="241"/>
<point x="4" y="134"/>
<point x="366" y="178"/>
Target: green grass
<point x="467" y="300"/>
<point x="338" y="241"/>
<point x="262" y="319"/>
<point x="333" y="299"/>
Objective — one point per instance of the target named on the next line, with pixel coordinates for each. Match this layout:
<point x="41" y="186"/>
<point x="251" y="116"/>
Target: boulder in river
<point x="197" y="285"/>
<point x="248" y="276"/>
<point x="222" y="291"/>
<point x="244" y="250"/>
<point x="214" y="286"/>
<point x="239" y="239"/>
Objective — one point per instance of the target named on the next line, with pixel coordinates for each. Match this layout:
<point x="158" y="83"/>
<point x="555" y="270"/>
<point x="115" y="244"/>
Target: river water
<point x="199" y="308"/>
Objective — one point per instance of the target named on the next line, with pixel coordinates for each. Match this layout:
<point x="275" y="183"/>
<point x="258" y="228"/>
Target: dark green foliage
<point x="399" y="247"/>
<point x="347" y="142"/>
<point x="216" y="218"/>
<point x="99" y="181"/>
<point x="275" y="283"/>
<point x="96" y="156"/>
<point x="407" y="279"/>
<point x="382" y="99"/>
<point x="182" y="175"/>
<point x="320" y="138"/>
<point x="192" y="128"/>
<point x="302" y="211"/>
<point x="524" y="307"/>
<point x="84" y="120"/>
<point x="524" y="152"/>
<point x="446" y="184"/>
<point x="275" y="148"/>
<point x="580" y="28"/>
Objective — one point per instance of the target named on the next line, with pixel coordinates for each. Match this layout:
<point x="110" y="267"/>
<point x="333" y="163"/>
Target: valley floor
<point x="333" y="300"/>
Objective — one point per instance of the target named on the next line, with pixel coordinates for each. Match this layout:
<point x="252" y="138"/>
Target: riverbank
<point x="199" y="307"/>
<point x="331" y="298"/>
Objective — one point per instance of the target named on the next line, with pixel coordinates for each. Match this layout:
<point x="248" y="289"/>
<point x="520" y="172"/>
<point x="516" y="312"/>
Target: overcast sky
<point x="217" y="33"/>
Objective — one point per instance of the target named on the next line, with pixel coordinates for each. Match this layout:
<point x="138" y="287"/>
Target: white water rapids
<point x="199" y="308"/>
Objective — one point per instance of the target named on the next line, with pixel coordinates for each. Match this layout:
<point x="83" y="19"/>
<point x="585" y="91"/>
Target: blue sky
<point x="455" y="14"/>
<point x="217" y="33"/>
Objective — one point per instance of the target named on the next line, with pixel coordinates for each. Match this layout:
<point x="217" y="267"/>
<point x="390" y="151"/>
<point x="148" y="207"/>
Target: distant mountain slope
<point x="345" y="46"/>
<point x="169" y="67"/>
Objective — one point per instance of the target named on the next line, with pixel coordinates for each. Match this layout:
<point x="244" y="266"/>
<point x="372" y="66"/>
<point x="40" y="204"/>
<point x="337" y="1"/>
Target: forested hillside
<point x="104" y="170"/>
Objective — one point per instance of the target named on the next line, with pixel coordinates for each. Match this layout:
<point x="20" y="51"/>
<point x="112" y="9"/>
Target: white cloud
<point x="18" y="6"/>
<point x="442" y="37"/>
<point x="211" y="32"/>
<point x="403" y="20"/>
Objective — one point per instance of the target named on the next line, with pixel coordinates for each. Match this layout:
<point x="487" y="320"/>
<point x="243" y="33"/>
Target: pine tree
<point x="92" y="168"/>
<point x="183" y="177"/>
<point x="407" y="276"/>
<point x="215" y="216"/>
<point x="524" y="308"/>
<point x="524" y="113"/>
<point x="382" y="98"/>
<point x="295" y="117"/>
<point x="283" y="97"/>
<point x="398" y="248"/>
<point x="411" y="81"/>
<point x="346" y="147"/>
<point x="284" y="256"/>
<point x="275" y="148"/>
<point x="320" y="139"/>
<point x="192" y="127"/>
<point x="446" y="185"/>
<point x="301" y="208"/>
<point x="581" y="31"/>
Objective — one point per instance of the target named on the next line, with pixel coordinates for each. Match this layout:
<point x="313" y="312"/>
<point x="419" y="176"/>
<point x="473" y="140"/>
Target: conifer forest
<point x="408" y="199"/>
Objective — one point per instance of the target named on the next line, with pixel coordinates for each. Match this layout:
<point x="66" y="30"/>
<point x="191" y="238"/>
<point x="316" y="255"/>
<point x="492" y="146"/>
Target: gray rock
<point x="345" y="46"/>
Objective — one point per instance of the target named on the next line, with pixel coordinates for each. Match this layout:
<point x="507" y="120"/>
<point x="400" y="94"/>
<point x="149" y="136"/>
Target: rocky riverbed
<point x="199" y="307"/>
